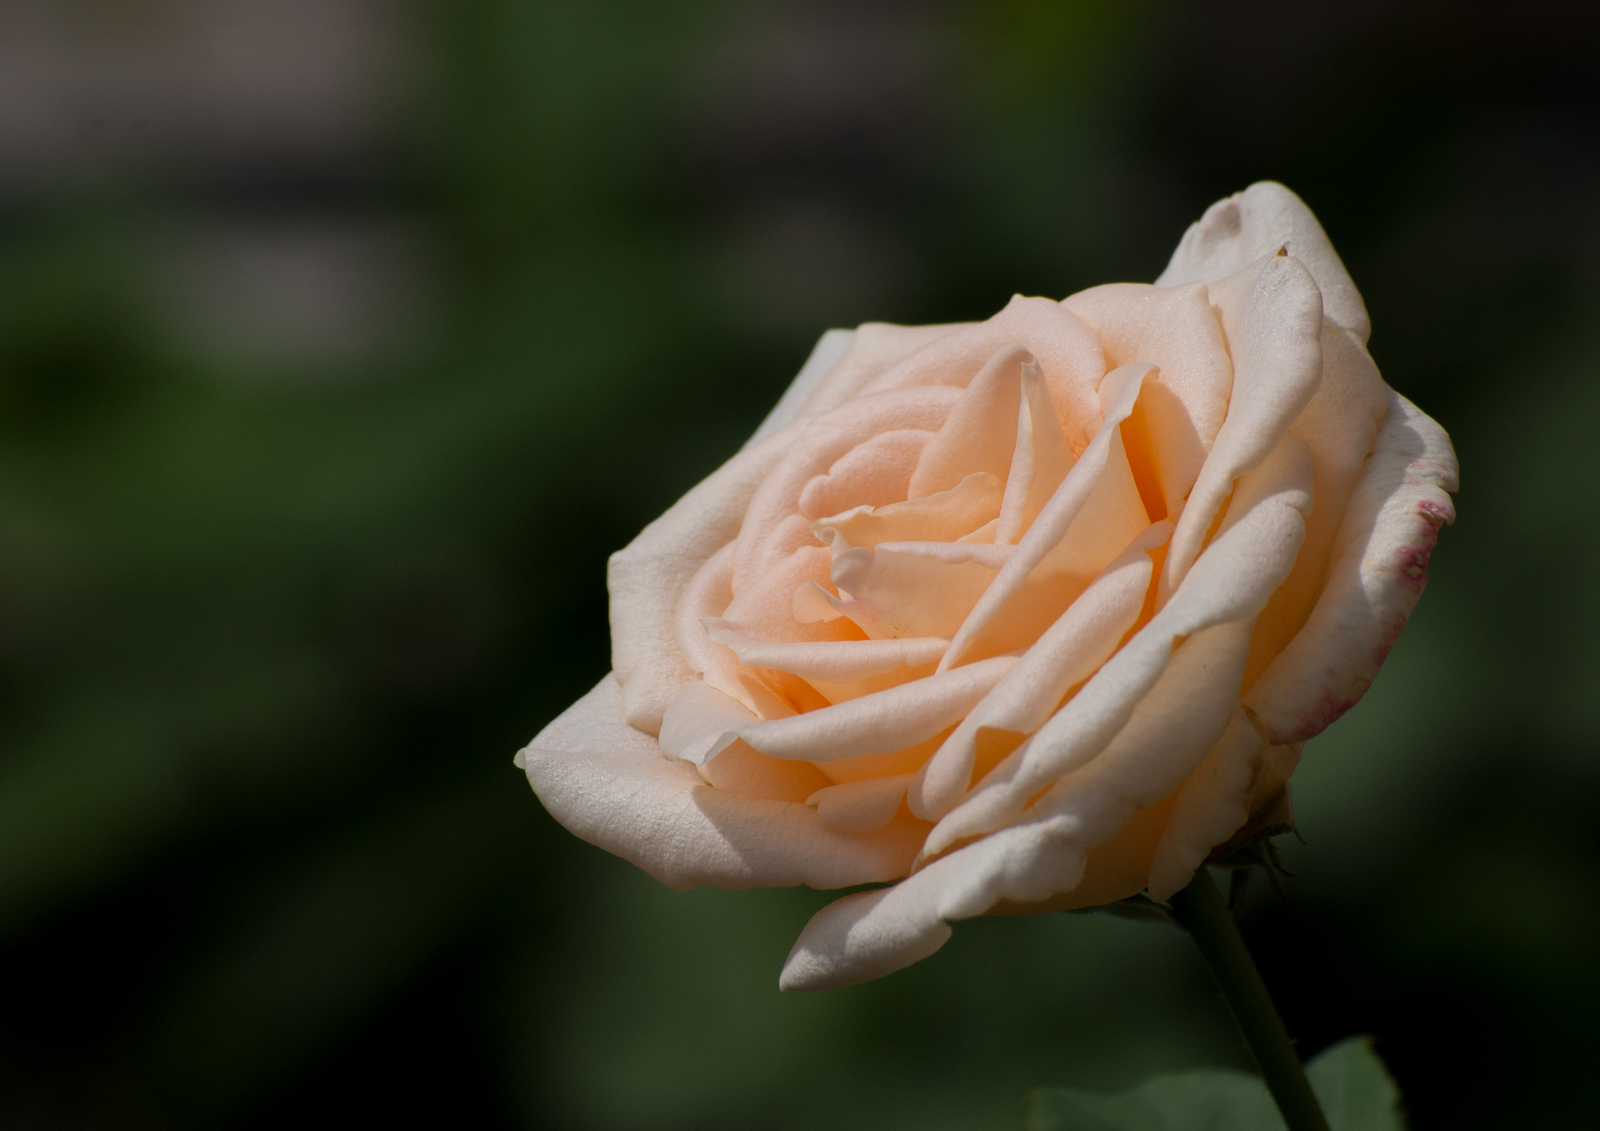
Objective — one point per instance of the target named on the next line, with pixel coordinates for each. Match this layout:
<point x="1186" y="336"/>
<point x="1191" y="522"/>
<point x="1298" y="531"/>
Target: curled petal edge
<point x="610" y="784"/>
<point x="1379" y="569"/>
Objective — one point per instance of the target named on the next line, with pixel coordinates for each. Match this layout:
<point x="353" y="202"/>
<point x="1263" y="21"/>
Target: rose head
<point x="1028" y="614"/>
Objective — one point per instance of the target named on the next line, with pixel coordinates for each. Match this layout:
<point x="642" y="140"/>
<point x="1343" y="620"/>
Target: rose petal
<point x="870" y="934"/>
<point x="842" y="661"/>
<point x="764" y="609"/>
<point x="1272" y="315"/>
<point x="860" y="806"/>
<point x="1070" y="651"/>
<point x="609" y="783"/>
<point x="1049" y="534"/>
<point x="943" y="517"/>
<point x="1231" y="582"/>
<point x="708" y="595"/>
<point x="1339" y="425"/>
<point x="1256" y="222"/>
<point x="880" y="723"/>
<point x="824" y="440"/>
<point x="1172" y="328"/>
<point x="737" y="768"/>
<point x="648" y="576"/>
<point x="904" y="589"/>
<point x="1039" y="462"/>
<point x="979" y="433"/>
<point x="874" y="933"/>
<point x="698" y="716"/>
<point x="1215" y="802"/>
<point x="875" y="473"/>
<point x="1067" y="352"/>
<point x="875" y="347"/>
<point x="1166" y="737"/>
<point x="823" y="359"/>
<point x="1379" y="567"/>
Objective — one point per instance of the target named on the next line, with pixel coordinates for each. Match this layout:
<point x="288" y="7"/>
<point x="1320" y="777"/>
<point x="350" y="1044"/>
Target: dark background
<point x="341" y="341"/>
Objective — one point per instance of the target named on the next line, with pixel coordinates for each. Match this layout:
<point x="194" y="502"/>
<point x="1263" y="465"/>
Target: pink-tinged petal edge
<point x="1378" y="571"/>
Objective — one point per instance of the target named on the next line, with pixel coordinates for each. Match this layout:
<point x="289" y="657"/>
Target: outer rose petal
<point x="873" y="933"/>
<point x="874" y="347"/>
<point x="1238" y="776"/>
<point x="648" y="576"/>
<point x="610" y="784"/>
<point x="1272" y="316"/>
<point x="1339" y="426"/>
<point x="823" y="359"/>
<point x="1380" y="561"/>
<point x="1257" y="222"/>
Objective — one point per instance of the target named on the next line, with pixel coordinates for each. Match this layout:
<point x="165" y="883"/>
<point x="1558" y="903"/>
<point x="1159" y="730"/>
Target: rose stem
<point x="1201" y="910"/>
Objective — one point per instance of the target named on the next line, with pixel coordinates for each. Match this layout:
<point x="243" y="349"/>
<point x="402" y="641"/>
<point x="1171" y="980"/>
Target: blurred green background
<point x="341" y="341"/>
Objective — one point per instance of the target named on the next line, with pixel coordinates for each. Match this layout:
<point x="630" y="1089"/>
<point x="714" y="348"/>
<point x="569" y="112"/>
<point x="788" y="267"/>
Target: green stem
<point x="1201" y="910"/>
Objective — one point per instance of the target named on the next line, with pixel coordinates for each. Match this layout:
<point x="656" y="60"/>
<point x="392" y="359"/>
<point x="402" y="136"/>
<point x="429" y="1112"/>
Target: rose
<point x="1026" y="614"/>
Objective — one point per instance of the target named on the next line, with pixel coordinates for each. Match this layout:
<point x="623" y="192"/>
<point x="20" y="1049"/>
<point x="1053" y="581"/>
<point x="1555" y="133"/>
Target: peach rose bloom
<point x="1027" y="614"/>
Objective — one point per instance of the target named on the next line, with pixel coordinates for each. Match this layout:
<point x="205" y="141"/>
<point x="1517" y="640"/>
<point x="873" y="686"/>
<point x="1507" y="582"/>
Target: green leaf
<point x="1188" y="1101"/>
<point x="1355" y="1088"/>
<point x="1356" y="1091"/>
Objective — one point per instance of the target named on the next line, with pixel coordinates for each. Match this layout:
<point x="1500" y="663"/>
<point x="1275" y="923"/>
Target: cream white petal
<point x="1166" y="738"/>
<point x="1272" y="315"/>
<point x="610" y="784"/>
<point x="707" y="595"/>
<point x="874" y="473"/>
<point x="910" y="589"/>
<point x="1378" y="569"/>
<point x="648" y="576"/>
<point x="942" y="517"/>
<point x="697" y="718"/>
<point x="870" y="934"/>
<point x="1256" y="222"/>
<point x="1213" y="804"/>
